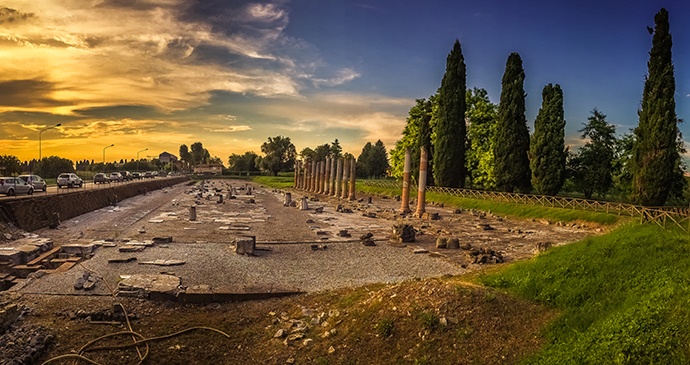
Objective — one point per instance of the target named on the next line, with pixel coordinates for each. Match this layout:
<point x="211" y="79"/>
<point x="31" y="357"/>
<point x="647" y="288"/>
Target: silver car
<point x="36" y="181"/>
<point x="69" y="179"/>
<point x="14" y="185"/>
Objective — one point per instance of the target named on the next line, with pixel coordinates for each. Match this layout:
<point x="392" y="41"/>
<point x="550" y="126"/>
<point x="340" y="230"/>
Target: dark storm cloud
<point x="32" y="93"/>
<point x="8" y="15"/>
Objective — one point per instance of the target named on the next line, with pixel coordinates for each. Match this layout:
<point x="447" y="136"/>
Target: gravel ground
<point x="209" y="253"/>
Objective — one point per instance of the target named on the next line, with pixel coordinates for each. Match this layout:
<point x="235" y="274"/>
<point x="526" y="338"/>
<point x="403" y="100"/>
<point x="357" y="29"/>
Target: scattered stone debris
<point x="163" y="262"/>
<point x="317" y="247"/>
<point x="543" y="246"/>
<point x="403" y="233"/>
<point x="318" y="210"/>
<point x="344" y="233"/>
<point x="121" y="260"/>
<point x="87" y="282"/>
<point x="453" y="243"/>
<point x="485" y="227"/>
<point x="485" y="256"/>
<point x="441" y="242"/>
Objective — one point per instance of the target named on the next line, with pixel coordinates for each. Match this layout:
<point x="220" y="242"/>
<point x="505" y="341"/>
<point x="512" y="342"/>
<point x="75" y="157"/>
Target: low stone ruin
<point x="403" y="233"/>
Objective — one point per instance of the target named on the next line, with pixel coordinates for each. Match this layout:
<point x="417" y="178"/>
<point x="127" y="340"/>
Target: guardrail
<point x="678" y="216"/>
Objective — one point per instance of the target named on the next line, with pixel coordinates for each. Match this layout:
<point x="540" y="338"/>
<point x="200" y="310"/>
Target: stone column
<point x="192" y="213"/>
<point x="333" y="175"/>
<point x="405" y="205"/>
<point x="323" y="176"/>
<point x="327" y="175"/>
<point x="314" y="165"/>
<point x="353" y="177"/>
<point x="421" y="194"/>
<point x="346" y="175"/>
<point x="307" y="176"/>
<point x="295" y="182"/>
<point x="338" y="177"/>
<point x="319" y="179"/>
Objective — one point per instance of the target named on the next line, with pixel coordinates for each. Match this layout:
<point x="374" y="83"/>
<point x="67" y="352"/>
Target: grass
<point x="624" y="297"/>
<point x="502" y="208"/>
<point x="276" y="182"/>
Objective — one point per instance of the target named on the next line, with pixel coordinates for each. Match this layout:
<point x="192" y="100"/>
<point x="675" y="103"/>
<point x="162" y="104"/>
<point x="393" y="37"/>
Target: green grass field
<point x="624" y="297"/>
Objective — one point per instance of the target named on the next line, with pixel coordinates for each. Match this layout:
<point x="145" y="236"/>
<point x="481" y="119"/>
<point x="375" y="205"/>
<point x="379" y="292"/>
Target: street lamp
<point x="104" y="154"/>
<point x="138" y="158"/>
<point x="39" y="138"/>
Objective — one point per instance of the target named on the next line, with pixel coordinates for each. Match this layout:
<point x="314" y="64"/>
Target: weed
<point x="489" y="297"/>
<point x="464" y="332"/>
<point x="321" y="361"/>
<point x="429" y="320"/>
<point x="384" y="327"/>
<point x="421" y="361"/>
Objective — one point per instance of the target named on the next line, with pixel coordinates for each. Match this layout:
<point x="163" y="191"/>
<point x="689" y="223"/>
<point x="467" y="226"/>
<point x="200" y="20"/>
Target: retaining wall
<point x="34" y="213"/>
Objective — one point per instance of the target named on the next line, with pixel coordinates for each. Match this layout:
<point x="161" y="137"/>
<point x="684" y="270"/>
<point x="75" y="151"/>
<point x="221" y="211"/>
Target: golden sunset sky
<point x="160" y="73"/>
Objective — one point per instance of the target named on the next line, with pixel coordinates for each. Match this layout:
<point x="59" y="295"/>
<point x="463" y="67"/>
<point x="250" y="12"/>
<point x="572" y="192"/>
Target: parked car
<point x="100" y="178"/>
<point x="136" y="175"/>
<point x="36" y="181"/>
<point x="148" y="175"/>
<point x="69" y="179"/>
<point x="14" y="185"/>
<point x="126" y="175"/>
<point x="115" y="176"/>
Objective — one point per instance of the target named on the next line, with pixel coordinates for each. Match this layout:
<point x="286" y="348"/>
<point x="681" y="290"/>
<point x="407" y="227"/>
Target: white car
<point x="115" y="176"/>
<point x="14" y="185"/>
<point x="36" y="181"/>
<point x="69" y="179"/>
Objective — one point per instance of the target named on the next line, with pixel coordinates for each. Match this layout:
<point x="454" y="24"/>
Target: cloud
<point x="169" y="54"/>
<point x="231" y="128"/>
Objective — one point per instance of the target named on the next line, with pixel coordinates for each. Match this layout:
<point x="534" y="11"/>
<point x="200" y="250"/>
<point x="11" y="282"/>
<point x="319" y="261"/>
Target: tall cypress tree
<point x="512" y="135"/>
<point x="449" y="154"/>
<point x="655" y="153"/>
<point x="547" y="146"/>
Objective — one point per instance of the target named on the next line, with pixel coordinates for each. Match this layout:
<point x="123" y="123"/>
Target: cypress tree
<point x="547" y="146"/>
<point x="449" y="154"/>
<point x="512" y="136"/>
<point x="655" y="152"/>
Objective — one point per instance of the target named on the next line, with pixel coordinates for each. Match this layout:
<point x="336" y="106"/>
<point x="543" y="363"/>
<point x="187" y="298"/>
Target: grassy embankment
<point x="624" y="296"/>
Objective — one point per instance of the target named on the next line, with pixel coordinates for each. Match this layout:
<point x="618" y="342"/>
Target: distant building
<point x="213" y="169"/>
<point x="166" y="157"/>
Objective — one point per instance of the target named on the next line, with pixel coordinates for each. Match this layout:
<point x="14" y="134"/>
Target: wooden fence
<point x="663" y="216"/>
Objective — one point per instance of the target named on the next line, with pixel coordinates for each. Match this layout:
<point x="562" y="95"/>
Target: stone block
<point x="245" y="245"/>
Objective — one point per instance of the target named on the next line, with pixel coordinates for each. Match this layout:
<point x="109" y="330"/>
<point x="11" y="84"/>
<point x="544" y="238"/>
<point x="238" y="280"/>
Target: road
<point x="88" y="185"/>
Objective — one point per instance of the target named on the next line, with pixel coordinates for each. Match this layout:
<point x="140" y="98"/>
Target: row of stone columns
<point x="335" y="177"/>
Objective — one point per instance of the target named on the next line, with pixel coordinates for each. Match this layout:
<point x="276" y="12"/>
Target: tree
<point x="51" y="167"/>
<point x="512" y="135"/>
<point x="547" y="145"/>
<point x="655" y="154"/>
<point x="199" y="153"/>
<point x="592" y="166"/>
<point x="321" y="152"/>
<point x="9" y="165"/>
<point x="449" y="145"/>
<point x="245" y="162"/>
<point x="481" y="117"/>
<point x="185" y="156"/>
<point x="336" y="150"/>
<point x="373" y="161"/>
<point x="363" y="161"/>
<point x="279" y="154"/>
<point x="307" y="154"/>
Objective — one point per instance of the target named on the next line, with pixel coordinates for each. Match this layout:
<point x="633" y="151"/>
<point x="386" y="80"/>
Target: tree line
<point x="480" y="144"/>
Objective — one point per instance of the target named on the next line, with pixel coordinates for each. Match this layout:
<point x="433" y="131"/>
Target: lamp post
<point x="138" y="158"/>
<point x="104" y="154"/>
<point x="39" y="138"/>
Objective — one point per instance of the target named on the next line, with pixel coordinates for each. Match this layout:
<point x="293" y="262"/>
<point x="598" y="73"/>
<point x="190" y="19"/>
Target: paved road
<point x="88" y="185"/>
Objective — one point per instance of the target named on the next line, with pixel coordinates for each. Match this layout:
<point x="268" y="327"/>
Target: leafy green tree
<point x="245" y="162"/>
<point x="307" y="154"/>
<point x="336" y="150"/>
<point x="621" y="166"/>
<point x="185" y="156"/>
<point x="410" y="134"/>
<point x="279" y="154"/>
<point x="449" y="144"/>
<point x="592" y="166"/>
<point x="512" y="135"/>
<point x="51" y="167"/>
<point x="655" y="153"/>
<point x="10" y="165"/>
<point x="547" y="145"/>
<point x="373" y="161"/>
<point x="481" y="130"/>
<point x="321" y="152"/>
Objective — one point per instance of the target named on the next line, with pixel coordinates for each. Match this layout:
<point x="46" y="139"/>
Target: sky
<point x="156" y="74"/>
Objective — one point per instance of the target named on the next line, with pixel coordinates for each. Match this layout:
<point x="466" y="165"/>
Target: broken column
<point x="192" y="213"/>
<point x="327" y="175"/>
<point x="353" y="177"/>
<point x="346" y="176"/>
<point x="405" y="205"/>
<point x="338" y="177"/>
<point x="333" y="175"/>
<point x="304" y="205"/>
<point x="322" y="176"/>
<point x="317" y="180"/>
<point x="288" y="199"/>
<point x="421" y="194"/>
<point x="245" y="245"/>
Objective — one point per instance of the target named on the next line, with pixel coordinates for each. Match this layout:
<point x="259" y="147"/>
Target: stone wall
<point x="34" y="213"/>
